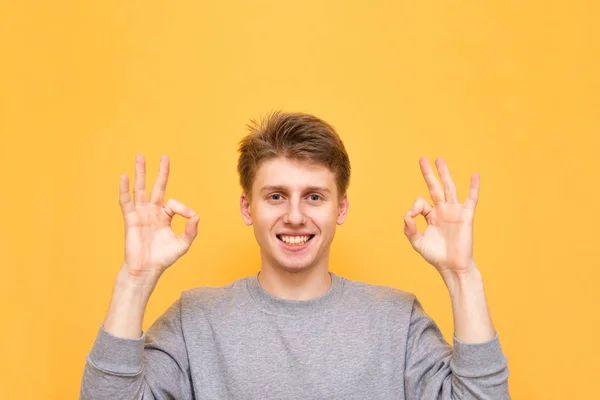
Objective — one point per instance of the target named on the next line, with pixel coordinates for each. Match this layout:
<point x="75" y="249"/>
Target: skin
<point x="293" y="197"/>
<point x="282" y="200"/>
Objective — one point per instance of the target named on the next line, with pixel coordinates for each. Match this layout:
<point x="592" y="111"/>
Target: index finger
<point x="435" y="189"/>
<point x="139" y="184"/>
<point x="157" y="196"/>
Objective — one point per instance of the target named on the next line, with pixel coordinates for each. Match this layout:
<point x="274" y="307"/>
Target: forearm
<point x="119" y="365"/>
<point x="127" y="306"/>
<point x="472" y="320"/>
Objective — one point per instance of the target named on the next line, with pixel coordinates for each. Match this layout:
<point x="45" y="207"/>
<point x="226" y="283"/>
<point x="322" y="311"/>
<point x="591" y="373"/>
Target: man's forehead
<point x="293" y="174"/>
<point x="292" y="163"/>
<point x="272" y="169"/>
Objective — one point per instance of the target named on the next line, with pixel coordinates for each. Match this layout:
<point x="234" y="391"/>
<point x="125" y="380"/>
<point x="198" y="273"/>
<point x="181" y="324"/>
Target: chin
<point x="295" y="265"/>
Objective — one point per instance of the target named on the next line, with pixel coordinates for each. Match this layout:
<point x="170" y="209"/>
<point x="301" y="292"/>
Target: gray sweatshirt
<point x="357" y="341"/>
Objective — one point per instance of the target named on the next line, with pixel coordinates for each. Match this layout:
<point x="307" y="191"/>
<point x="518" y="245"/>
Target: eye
<point x="315" y="197"/>
<point x="275" y="197"/>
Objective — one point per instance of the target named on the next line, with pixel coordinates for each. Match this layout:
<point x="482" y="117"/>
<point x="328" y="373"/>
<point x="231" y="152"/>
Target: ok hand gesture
<point x="447" y="243"/>
<point x="151" y="246"/>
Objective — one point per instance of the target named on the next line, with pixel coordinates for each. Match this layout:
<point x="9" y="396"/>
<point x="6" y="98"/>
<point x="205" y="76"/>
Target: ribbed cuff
<point x="477" y="359"/>
<point x="115" y="355"/>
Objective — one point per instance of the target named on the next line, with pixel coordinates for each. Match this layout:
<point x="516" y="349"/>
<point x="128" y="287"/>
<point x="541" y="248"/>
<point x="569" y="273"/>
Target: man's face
<point x="294" y="209"/>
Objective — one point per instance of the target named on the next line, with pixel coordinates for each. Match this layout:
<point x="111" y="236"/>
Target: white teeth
<point x="295" y="239"/>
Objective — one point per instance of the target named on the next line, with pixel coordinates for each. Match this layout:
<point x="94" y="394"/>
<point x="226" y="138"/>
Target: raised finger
<point x="173" y="207"/>
<point x="449" y="186"/>
<point x="435" y="189"/>
<point x="471" y="201"/>
<point x="139" y="185"/>
<point x="124" y="196"/>
<point x="160" y="184"/>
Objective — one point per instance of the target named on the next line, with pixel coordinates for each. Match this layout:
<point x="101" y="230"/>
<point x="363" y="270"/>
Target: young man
<point x="294" y="330"/>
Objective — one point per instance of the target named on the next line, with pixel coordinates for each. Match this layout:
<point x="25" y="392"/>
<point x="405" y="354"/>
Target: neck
<point x="295" y="285"/>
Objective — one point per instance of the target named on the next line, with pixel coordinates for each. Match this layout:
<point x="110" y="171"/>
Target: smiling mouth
<point x="295" y="240"/>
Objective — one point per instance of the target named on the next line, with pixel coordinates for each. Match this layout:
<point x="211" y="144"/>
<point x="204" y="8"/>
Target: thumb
<point x="410" y="229"/>
<point x="191" y="229"/>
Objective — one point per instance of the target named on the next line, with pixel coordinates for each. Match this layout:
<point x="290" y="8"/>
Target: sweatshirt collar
<point x="275" y="305"/>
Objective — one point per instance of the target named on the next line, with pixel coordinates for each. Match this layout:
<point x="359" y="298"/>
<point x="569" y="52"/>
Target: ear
<point x="343" y="209"/>
<point x="245" y="209"/>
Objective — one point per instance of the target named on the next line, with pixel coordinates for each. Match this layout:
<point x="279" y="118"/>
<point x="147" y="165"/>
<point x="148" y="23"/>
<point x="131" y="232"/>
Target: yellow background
<point x="508" y="89"/>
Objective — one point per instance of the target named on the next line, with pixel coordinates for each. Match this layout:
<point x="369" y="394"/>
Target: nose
<point x="294" y="214"/>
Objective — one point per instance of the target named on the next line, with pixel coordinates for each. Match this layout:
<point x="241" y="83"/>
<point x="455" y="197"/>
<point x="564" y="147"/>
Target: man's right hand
<point x="151" y="246"/>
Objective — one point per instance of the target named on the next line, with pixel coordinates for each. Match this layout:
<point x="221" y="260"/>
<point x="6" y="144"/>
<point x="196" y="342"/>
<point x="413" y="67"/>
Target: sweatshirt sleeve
<point x="154" y="366"/>
<point x="435" y="370"/>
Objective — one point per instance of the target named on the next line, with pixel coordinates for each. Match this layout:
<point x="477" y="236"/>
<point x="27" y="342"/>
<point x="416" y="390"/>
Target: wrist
<point x="134" y="290"/>
<point x="141" y="279"/>
<point x="468" y="280"/>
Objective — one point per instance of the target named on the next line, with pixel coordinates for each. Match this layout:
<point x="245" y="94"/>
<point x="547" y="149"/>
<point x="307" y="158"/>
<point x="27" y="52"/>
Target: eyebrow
<point x="277" y="188"/>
